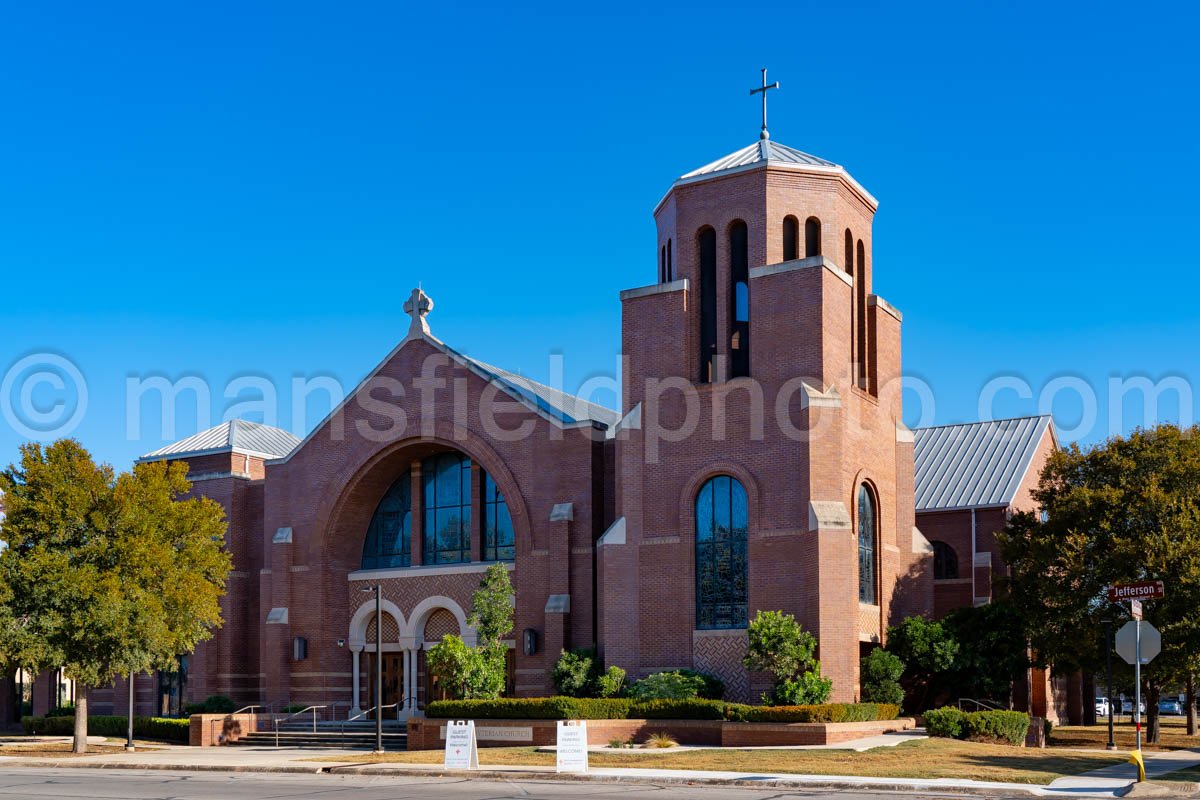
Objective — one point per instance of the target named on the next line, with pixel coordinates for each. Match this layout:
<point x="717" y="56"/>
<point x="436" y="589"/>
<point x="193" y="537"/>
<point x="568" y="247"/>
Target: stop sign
<point x="1127" y="642"/>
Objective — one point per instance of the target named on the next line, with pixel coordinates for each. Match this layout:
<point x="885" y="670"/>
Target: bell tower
<point x="760" y="359"/>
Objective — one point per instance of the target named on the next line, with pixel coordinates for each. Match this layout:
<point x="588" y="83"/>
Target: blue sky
<point x="233" y="189"/>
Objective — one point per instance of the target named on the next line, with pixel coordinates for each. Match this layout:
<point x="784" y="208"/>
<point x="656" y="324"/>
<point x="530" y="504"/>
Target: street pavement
<point x="78" y="784"/>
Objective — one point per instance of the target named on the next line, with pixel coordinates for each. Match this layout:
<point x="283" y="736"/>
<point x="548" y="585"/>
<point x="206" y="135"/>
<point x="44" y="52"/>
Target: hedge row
<point x="1007" y="727"/>
<point x="171" y="730"/>
<point x="581" y="708"/>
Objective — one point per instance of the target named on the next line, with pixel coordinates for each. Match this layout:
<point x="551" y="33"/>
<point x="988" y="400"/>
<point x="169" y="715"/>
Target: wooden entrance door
<point x="393" y="681"/>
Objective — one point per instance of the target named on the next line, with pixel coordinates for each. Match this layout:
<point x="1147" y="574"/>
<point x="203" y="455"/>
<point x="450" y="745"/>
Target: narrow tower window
<point x="866" y="546"/>
<point x="662" y="265"/>
<point x="707" y="244"/>
<point x="670" y="266"/>
<point x="812" y="237"/>
<point x="791" y="236"/>
<point x="739" y="280"/>
<point x="860" y="314"/>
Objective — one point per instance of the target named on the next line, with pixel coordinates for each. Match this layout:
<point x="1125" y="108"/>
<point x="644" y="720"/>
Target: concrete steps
<point x="352" y="736"/>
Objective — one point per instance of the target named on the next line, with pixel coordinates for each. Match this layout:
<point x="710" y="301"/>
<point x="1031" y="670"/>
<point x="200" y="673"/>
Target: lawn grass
<point x="58" y="750"/>
<point x="1173" y="735"/>
<point x="927" y="758"/>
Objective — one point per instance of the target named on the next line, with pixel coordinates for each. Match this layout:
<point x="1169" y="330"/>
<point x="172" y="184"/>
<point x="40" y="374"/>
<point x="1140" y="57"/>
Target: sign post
<point x="462" y="748"/>
<point x="572" y="748"/>
<point x="1143" y="652"/>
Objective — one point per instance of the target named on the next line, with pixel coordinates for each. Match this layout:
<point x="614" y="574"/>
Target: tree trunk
<point x="81" y="717"/>
<point x="1191" y="704"/>
<point x="1089" y="698"/>
<point x="1151" y="700"/>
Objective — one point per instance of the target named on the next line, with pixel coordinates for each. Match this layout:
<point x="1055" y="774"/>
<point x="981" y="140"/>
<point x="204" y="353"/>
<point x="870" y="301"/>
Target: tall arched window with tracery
<point x="446" y="480"/>
<point x="722" y="565"/>
<point x="389" y="537"/>
<point x="867" y="539"/>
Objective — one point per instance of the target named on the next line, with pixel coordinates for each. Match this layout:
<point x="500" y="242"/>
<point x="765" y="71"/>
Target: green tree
<point x="778" y="645"/>
<point x="927" y="649"/>
<point x="575" y="673"/>
<point x="1124" y="510"/>
<point x="108" y="574"/>
<point x="478" y="672"/>
<point x="992" y="650"/>
<point x="880" y="680"/>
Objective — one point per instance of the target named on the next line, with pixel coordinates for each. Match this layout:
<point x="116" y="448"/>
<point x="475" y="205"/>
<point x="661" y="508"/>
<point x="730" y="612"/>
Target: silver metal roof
<point x="764" y="151"/>
<point x="566" y="407"/>
<point x="236" y="436"/>
<point x="976" y="464"/>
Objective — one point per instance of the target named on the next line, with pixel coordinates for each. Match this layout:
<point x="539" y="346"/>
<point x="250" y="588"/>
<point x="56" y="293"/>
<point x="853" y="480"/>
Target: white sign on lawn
<point x="462" y="750"/>
<point x="572" y="746"/>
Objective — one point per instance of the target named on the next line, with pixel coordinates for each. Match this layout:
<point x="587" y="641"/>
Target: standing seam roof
<point x="974" y="464"/>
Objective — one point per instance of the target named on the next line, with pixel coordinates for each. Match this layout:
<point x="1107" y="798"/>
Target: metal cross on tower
<point x="763" y="90"/>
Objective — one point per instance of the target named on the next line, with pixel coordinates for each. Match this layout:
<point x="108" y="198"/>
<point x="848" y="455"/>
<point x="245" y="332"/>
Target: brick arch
<point x="440" y="623"/>
<point x="687" y="500"/>
<point x="362" y="624"/>
<point x="433" y="608"/>
<point x="339" y="538"/>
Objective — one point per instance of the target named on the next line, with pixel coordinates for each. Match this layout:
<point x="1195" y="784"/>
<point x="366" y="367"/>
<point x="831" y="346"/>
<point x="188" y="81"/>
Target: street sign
<point x="1127" y="642"/>
<point x="1135" y="609"/>
<point x="1142" y="590"/>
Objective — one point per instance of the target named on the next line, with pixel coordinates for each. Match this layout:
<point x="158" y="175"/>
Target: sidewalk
<point x="1109" y="782"/>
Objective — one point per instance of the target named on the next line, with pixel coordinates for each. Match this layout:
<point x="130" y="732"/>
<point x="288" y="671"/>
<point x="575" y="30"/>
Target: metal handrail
<point x="313" y="709"/>
<point x="212" y="729"/>
<point x="985" y="705"/>
<point x="360" y="715"/>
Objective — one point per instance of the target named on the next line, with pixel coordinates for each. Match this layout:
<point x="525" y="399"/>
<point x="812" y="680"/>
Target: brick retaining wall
<point x="428" y="734"/>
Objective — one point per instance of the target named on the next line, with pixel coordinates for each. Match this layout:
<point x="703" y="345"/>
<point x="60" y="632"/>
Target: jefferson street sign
<point x="1142" y="590"/>
<point x="1127" y="642"/>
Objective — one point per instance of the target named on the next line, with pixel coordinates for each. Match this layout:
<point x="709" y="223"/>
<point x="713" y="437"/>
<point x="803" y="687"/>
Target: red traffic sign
<point x="1142" y="590"/>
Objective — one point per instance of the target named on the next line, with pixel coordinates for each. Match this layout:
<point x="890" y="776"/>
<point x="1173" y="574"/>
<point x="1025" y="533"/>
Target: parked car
<point x="1127" y="706"/>
<point x="1102" y="707"/>
<point x="1167" y="706"/>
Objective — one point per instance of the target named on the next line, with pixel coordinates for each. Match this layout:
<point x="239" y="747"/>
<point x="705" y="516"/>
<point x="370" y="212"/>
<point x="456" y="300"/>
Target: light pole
<point x="129" y="721"/>
<point x="378" y="589"/>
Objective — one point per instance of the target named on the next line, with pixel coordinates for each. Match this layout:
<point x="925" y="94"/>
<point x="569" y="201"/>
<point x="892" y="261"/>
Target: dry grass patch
<point x="1172" y="736"/>
<point x="59" y="750"/>
<point x="928" y="758"/>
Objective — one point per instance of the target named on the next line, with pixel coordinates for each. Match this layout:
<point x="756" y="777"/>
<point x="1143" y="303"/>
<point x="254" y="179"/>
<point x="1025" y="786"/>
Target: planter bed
<point x="429" y="734"/>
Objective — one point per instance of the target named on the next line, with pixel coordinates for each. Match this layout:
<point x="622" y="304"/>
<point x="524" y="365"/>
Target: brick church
<point x="758" y="461"/>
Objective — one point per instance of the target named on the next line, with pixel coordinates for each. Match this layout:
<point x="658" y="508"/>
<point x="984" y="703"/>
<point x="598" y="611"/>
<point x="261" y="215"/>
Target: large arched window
<point x="446" y="482"/>
<point x="498" y="538"/>
<point x="739" y="300"/>
<point x="791" y="238"/>
<point x="722" y="566"/>
<point x="706" y="243"/>
<point x="867" y="536"/>
<point x="389" y="538"/>
<point x="812" y="237"/>
<point x="945" y="562"/>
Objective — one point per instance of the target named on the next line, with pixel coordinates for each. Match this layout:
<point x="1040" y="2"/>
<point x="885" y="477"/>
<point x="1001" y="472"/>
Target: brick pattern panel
<point x="722" y="656"/>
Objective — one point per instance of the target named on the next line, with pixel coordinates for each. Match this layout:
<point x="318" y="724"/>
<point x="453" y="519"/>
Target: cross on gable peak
<point x="418" y="305"/>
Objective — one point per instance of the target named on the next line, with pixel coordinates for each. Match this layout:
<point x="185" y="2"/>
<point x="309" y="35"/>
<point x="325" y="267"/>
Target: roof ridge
<point x="982" y="422"/>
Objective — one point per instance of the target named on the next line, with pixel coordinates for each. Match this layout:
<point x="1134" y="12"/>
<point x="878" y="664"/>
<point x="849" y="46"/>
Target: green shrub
<point x="1007" y="727"/>
<point x="62" y="711"/>
<point x="530" y="708"/>
<point x="1047" y="728"/>
<point x="946" y="723"/>
<point x="574" y="673"/>
<point x="827" y="712"/>
<point x="714" y="687"/>
<point x="219" y="704"/>
<point x="881" y="673"/>
<point x="171" y="730"/>
<point x="193" y="708"/>
<point x="674" y="685"/>
<point x="611" y="683"/>
<point x="807" y="688"/>
<point x="696" y="708"/>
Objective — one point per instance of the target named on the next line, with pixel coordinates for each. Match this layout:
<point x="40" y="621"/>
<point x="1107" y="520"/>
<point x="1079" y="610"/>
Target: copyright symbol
<point x="43" y="395"/>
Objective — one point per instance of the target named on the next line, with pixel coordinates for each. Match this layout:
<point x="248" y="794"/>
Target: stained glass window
<point x="498" y="537"/>
<point x="866" y="546"/>
<point x="389" y="538"/>
<point x="446" y="481"/>
<point x="722" y="565"/>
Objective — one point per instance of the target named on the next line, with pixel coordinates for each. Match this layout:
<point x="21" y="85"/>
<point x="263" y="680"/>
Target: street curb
<point x="368" y="770"/>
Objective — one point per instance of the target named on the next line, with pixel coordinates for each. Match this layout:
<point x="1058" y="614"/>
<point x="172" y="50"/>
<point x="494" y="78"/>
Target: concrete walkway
<point x="1119" y="776"/>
